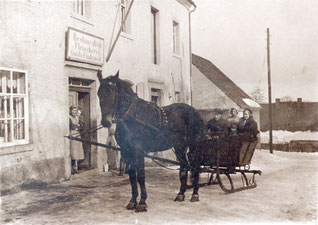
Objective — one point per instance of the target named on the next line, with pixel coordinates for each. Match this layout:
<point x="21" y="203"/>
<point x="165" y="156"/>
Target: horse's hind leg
<point x="183" y="174"/>
<point x="195" y="183"/>
<point x="195" y="157"/>
<point x="142" y="206"/>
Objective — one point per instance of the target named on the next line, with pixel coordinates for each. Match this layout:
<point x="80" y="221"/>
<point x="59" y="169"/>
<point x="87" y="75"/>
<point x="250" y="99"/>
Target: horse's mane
<point x="125" y="86"/>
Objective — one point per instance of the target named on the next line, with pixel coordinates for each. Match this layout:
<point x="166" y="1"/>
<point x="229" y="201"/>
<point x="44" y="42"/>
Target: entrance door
<point x="81" y="98"/>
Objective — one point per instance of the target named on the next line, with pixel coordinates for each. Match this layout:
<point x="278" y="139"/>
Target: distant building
<point x="213" y="89"/>
<point x="291" y="116"/>
<point x="50" y="54"/>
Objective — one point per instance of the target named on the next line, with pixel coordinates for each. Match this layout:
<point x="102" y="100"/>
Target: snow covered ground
<point x="282" y="136"/>
<point x="286" y="194"/>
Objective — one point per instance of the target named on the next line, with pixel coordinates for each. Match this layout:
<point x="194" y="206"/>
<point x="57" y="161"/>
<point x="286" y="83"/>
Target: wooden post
<point x="118" y="34"/>
<point x="269" y="95"/>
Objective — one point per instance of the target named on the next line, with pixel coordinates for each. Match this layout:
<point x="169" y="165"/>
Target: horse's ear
<point x="99" y="75"/>
<point x="117" y="74"/>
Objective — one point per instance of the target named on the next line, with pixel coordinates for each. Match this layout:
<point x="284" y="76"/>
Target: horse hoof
<point x="195" y="198"/>
<point x="141" y="208"/>
<point x="131" y="206"/>
<point x="179" y="198"/>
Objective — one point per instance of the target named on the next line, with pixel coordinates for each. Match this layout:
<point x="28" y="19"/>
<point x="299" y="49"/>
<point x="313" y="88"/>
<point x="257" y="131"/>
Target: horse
<point x="143" y="127"/>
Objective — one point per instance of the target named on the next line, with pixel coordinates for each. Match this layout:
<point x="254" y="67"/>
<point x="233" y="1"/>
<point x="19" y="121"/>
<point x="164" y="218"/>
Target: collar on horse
<point x="131" y="109"/>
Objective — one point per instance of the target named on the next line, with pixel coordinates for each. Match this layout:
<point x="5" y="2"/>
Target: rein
<point x="155" y="159"/>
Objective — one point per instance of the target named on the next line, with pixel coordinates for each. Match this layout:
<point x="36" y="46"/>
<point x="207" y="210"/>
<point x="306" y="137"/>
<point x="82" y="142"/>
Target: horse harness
<point x="160" y="128"/>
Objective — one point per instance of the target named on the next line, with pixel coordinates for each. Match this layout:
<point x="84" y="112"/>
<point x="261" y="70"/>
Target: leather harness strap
<point x="163" y="121"/>
<point x="130" y="109"/>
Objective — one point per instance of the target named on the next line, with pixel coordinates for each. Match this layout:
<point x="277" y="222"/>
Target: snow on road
<point x="286" y="193"/>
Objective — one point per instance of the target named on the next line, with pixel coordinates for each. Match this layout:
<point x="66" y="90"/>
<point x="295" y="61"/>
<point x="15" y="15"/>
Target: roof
<point x="192" y="3"/>
<point x="216" y="76"/>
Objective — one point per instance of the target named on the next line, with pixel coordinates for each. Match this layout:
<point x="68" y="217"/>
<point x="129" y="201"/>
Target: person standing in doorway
<point x="76" y="147"/>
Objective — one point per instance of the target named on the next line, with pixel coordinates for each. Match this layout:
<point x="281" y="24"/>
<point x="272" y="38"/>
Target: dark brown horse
<point x="143" y="127"/>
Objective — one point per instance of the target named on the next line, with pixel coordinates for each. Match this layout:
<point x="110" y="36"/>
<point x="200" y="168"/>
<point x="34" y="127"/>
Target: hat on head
<point x="232" y="109"/>
<point x="218" y="111"/>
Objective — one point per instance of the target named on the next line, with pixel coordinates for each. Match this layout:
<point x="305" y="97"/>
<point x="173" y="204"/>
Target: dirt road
<point x="286" y="192"/>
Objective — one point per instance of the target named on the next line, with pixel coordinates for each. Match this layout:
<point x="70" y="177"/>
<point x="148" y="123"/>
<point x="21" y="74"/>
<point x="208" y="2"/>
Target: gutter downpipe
<point x="190" y="50"/>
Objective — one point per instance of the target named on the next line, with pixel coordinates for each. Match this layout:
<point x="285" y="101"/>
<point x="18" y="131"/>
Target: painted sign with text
<point x="84" y="47"/>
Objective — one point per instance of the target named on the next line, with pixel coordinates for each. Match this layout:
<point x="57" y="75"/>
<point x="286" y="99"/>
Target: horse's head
<point x="108" y="97"/>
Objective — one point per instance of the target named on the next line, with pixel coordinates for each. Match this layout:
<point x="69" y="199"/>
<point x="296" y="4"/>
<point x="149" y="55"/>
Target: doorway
<point x="79" y="95"/>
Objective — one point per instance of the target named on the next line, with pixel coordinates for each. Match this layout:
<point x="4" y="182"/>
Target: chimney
<point x="299" y="103"/>
<point x="277" y="102"/>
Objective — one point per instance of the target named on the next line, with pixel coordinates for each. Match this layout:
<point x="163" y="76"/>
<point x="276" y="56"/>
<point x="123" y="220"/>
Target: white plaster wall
<point x="32" y="38"/>
<point x="133" y="52"/>
<point x="206" y="95"/>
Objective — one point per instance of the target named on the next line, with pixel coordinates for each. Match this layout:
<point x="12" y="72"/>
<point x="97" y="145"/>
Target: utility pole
<point x="269" y="95"/>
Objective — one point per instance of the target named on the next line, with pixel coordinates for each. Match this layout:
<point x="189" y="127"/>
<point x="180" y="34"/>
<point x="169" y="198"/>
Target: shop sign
<point x="84" y="47"/>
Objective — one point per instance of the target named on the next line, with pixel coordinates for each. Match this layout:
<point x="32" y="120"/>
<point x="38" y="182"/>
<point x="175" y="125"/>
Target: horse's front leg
<point x="142" y="206"/>
<point x="134" y="189"/>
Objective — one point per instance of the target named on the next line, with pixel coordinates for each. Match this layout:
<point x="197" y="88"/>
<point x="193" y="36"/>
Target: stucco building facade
<point x="213" y="89"/>
<point x="50" y="53"/>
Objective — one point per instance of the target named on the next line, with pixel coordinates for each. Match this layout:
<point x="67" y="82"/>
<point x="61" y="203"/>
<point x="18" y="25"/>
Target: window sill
<point x="82" y="19"/>
<point x="126" y="35"/>
<point x="82" y="65"/>
<point x="178" y="56"/>
<point x="25" y="147"/>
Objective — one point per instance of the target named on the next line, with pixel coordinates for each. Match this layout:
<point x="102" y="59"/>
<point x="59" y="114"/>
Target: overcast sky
<point x="232" y="34"/>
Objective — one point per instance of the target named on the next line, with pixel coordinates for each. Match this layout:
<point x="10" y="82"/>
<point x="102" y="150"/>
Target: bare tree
<point x="258" y="95"/>
<point x="286" y="99"/>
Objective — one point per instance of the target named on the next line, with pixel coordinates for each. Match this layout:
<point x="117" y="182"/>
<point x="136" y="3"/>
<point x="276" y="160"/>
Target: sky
<point x="232" y="35"/>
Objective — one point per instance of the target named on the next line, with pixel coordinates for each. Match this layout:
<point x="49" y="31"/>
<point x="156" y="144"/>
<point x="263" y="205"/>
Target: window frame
<point x="123" y="7"/>
<point x="176" y="37"/>
<point x="76" y="4"/>
<point x="86" y="17"/>
<point x="25" y="96"/>
<point x="157" y="93"/>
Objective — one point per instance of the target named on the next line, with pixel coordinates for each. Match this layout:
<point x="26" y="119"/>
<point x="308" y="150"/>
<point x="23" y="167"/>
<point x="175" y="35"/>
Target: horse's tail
<point x="195" y="126"/>
<point x="195" y="134"/>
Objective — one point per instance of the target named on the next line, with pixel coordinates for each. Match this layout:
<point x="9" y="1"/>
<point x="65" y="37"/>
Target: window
<point x="79" y="7"/>
<point x="124" y="4"/>
<point x="154" y="35"/>
<point x="13" y="107"/>
<point x="75" y="82"/>
<point x="176" y="38"/>
<point x="177" y="96"/>
<point x="156" y="96"/>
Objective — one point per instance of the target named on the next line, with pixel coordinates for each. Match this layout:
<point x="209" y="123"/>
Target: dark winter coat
<point x="248" y="128"/>
<point x="217" y="127"/>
